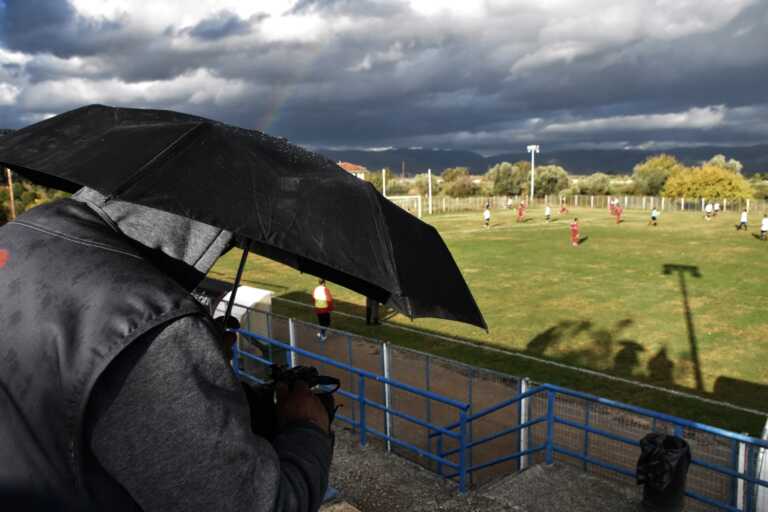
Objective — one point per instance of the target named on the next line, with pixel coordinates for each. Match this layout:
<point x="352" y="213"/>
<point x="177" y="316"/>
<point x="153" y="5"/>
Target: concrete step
<point x="561" y="487"/>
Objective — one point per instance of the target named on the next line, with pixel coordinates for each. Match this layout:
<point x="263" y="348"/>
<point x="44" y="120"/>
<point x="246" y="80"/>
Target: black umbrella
<point x="290" y="205"/>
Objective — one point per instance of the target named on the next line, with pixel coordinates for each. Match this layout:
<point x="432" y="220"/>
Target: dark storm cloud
<point x="223" y="24"/>
<point x="377" y="74"/>
<point x="53" y="26"/>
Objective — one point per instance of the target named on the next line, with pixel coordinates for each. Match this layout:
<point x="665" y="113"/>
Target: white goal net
<point x="410" y="204"/>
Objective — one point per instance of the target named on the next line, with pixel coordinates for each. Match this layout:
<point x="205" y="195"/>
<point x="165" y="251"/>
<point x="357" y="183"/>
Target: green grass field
<point x="606" y="305"/>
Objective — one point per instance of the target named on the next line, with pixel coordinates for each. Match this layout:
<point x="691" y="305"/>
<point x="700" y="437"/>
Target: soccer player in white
<point x="764" y="227"/>
<point x="742" y="221"/>
<point x="547" y="213"/>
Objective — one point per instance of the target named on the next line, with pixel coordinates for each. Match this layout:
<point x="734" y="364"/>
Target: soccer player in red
<point x="520" y="212"/>
<point x="563" y="208"/>
<point x="618" y="210"/>
<point x="575" y="232"/>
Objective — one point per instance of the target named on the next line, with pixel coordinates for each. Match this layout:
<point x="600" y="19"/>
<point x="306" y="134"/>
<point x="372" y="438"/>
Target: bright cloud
<point x="196" y="88"/>
<point x="698" y="118"/>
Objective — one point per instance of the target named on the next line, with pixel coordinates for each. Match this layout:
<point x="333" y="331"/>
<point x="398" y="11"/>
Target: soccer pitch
<point x="681" y="305"/>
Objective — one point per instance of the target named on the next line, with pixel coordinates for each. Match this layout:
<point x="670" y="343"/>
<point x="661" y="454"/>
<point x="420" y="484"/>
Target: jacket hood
<point x="184" y="248"/>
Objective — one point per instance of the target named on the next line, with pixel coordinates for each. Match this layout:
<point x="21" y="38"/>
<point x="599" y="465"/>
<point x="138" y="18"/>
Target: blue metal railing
<point x="459" y="429"/>
<point x="363" y="402"/>
<point x="551" y="447"/>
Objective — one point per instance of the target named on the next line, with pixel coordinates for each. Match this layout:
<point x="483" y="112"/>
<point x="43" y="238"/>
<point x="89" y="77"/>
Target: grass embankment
<point x="607" y="305"/>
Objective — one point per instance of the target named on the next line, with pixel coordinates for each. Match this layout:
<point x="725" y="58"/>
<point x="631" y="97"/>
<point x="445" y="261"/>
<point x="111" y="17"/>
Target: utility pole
<point x="532" y="149"/>
<point x="384" y="182"/>
<point x="10" y="192"/>
<point x="429" y="188"/>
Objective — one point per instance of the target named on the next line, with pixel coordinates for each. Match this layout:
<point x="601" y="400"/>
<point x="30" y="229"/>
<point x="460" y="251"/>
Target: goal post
<point x="411" y="204"/>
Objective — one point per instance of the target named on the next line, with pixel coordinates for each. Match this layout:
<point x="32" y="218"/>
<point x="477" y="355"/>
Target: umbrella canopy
<point x="295" y="207"/>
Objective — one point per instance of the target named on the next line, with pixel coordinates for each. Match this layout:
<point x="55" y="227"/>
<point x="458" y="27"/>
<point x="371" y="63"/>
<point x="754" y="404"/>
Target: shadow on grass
<point x="609" y="348"/>
<point x="583" y="240"/>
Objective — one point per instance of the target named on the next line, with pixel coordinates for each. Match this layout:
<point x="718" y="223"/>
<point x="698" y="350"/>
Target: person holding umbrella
<point x="323" y="301"/>
<point x="115" y="389"/>
<point x="163" y="423"/>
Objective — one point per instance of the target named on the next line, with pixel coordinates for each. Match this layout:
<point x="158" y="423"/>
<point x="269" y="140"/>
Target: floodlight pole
<point x="532" y="149"/>
<point x="429" y="188"/>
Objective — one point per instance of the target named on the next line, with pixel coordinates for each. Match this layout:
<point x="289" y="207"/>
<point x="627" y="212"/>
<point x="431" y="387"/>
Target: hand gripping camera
<point x="262" y="398"/>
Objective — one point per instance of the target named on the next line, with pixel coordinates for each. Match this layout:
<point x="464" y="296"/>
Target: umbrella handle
<point x="238" y="277"/>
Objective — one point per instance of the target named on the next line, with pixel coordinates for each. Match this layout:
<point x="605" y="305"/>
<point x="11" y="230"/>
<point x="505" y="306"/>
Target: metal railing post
<point x="440" y="454"/>
<point x="236" y="359"/>
<point x="749" y="502"/>
<point x="586" y="433"/>
<point x="292" y="339"/>
<point x="387" y="396"/>
<point x="741" y="461"/>
<point x="550" y="426"/>
<point x="523" y="415"/>
<point x="463" y="451"/>
<point x="361" y="404"/>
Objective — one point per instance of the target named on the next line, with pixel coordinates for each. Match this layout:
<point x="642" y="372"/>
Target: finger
<point x="282" y="391"/>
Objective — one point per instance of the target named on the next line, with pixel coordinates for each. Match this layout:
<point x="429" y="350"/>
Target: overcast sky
<point x="488" y="76"/>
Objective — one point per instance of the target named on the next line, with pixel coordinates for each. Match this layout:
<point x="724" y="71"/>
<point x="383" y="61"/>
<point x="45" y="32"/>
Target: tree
<point x="651" y="175"/>
<point x="708" y="181"/>
<point x="454" y="173"/>
<point x="732" y="165"/>
<point x="420" y="185"/>
<point x="508" y="179"/>
<point x="26" y="195"/>
<point x="596" y="184"/>
<point x="463" y="186"/>
<point x="550" y="179"/>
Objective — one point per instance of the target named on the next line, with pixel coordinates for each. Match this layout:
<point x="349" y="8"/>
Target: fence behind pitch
<point x="664" y="204"/>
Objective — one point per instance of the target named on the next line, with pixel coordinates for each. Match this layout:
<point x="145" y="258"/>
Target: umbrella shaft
<point x="237" y="277"/>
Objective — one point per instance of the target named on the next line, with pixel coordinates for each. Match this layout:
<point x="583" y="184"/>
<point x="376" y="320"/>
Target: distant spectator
<point x="323" y="307"/>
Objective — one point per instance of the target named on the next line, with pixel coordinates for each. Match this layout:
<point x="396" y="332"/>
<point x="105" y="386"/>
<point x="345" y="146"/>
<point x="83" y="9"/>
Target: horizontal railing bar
<point x="348" y="420"/>
<point x="496" y="407"/>
<point x="500" y="434"/>
<point x="712" y="502"/>
<point x="412" y="419"/>
<point x="722" y="469"/>
<point x="411" y="447"/>
<point x="597" y="431"/>
<point x="658" y="415"/>
<point x="358" y="371"/>
<point x="250" y="377"/>
<point x="254" y="357"/>
<point x="596" y="462"/>
<point x="499" y="460"/>
<point x="506" y="458"/>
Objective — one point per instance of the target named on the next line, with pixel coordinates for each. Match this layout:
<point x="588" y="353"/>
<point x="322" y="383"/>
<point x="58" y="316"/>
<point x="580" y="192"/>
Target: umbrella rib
<point x="135" y="177"/>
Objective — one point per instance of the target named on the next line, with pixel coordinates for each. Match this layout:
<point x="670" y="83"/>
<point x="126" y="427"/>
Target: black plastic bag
<point x="663" y="469"/>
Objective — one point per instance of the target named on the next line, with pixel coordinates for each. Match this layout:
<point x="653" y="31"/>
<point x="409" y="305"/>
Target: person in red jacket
<point x="323" y="306"/>
<point x="575" y="232"/>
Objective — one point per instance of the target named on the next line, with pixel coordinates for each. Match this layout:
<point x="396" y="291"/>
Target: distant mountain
<point x="576" y="161"/>
<point x="416" y="160"/>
